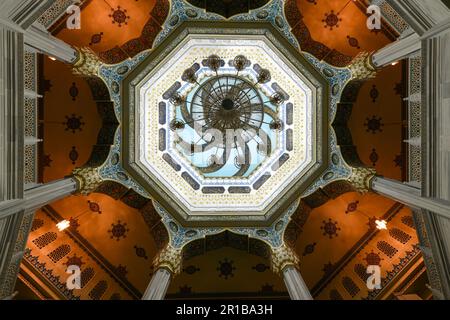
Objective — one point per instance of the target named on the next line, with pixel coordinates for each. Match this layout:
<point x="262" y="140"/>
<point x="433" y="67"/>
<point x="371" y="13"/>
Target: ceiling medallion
<point x="225" y="125"/>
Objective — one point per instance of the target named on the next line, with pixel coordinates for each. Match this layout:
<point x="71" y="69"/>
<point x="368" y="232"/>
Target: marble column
<point x="37" y="37"/>
<point x="23" y="12"/>
<point x="421" y="15"/>
<point x="295" y="284"/>
<point x="365" y="179"/>
<point x="84" y="181"/>
<point x="40" y="196"/>
<point x="430" y="20"/>
<point x="409" y="196"/>
<point x="429" y="257"/>
<point x="167" y="264"/>
<point x="11" y="149"/>
<point x="436" y="117"/>
<point x="397" y="50"/>
<point x="434" y="212"/>
<point x="285" y="262"/>
<point x="158" y="286"/>
<point x="14" y="230"/>
<point x="22" y="15"/>
<point x="18" y="27"/>
<point x="11" y="114"/>
<point x="427" y="18"/>
<point x="16" y="217"/>
<point x="436" y="145"/>
<point x="437" y="30"/>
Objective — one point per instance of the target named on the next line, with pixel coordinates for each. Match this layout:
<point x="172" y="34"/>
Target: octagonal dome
<point x="225" y="124"/>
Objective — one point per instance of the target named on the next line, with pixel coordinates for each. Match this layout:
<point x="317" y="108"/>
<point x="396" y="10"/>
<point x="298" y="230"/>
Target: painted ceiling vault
<point x="175" y="78"/>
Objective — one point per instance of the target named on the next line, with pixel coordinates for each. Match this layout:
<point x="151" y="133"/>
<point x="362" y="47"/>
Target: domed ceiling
<point x="236" y="123"/>
<point x="225" y="126"/>
<point x="149" y="26"/>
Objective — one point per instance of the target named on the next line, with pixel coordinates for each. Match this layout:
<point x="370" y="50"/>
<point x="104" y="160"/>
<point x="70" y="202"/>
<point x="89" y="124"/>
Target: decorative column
<point x="429" y="257"/>
<point x="167" y="264"/>
<point x="397" y="50"/>
<point x="409" y="196"/>
<point x="38" y="37"/>
<point x="11" y="114"/>
<point x="437" y="29"/>
<point x="285" y="263"/>
<point x="39" y="196"/>
<point x="84" y="181"/>
<point x="421" y="15"/>
<point x="22" y="15"/>
<point x="17" y="206"/>
<point x="23" y="12"/>
<point x="365" y="179"/>
<point x="430" y="19"/>
<point x="436" y="139"/>
<point x="14" y="230"/>
<point x="434" y="212"/>
<point x="16" y="217"/>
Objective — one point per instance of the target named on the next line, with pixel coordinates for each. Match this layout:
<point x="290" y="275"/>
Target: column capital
<point x="361" y="178"/>
<point x="282" y="257"/>
<point x="87" y="63"/>
<point x="362" y="67"/>
<point x="169" y="258"/>
<point x="88" y="179"/>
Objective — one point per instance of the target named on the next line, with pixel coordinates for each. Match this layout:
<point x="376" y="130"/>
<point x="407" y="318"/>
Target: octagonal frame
<point x="227" y="219"/>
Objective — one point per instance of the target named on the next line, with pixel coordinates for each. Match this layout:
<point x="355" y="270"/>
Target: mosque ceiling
<point x="275" y="129"/>
<point x="131" y="225"/>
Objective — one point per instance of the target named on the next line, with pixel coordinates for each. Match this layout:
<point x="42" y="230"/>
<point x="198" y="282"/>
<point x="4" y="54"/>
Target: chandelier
<point x="227" y="116"/>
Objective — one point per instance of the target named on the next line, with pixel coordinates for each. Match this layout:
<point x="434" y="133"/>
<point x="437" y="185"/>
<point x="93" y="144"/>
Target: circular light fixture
<point x="227" y="102"/>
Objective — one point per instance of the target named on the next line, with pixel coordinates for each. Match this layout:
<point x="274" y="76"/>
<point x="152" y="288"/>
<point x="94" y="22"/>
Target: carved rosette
<point x="170" y="259"/>
<point x="88" y="179"/>
<point x="283" y="257"/>
<point x="87" y="63"/>
<point x="362" y="67"/>
<point x="361" y="178"/>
